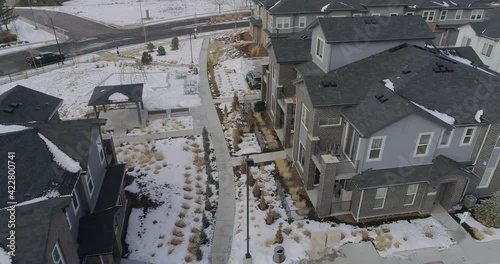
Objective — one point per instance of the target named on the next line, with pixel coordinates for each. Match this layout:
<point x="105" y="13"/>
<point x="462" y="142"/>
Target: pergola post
<point x="139" y="112"/>
<point x="142" y="105"/>
<point x="96" y="113"/>
<point x="104" y="107"/>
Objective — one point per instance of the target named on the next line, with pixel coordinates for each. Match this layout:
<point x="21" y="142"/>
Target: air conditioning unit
<point x="469" y="201"/>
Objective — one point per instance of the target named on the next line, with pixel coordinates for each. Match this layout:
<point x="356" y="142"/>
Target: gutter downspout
<point x="359" y="206"/>
<point x="465" y="190"/>
<point x="482" y="144"/>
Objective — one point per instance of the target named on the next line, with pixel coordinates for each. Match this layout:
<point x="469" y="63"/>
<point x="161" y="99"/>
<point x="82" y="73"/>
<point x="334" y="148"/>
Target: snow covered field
<point x="126" y="12"/>
<point x="27" y="32"/>
<point x="169" y="173"/>
<point x="230" y="76"/>
<point x="164" y="125"/>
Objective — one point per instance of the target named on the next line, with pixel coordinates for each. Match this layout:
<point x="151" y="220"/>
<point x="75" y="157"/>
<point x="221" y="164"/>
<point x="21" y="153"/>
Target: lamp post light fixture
<point x="57" y="41"/>
<point x="248" y="257"/>
<point x="33" y="14"/>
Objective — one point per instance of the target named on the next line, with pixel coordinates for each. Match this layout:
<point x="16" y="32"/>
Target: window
<point x="443" y="14"/>
<point x="67" y="219"/>
<point x="330" y="122"/>
<point x="119" y="202"/>
<point x="445" y="139"/>
<point x="394" y="14"/>
<point x="497" y="145"/>
<point x="270" y="23"/>
<point x="90" y="183"/>
<point x="467" y="136"/>
<point x="411" y="194"/>
<point x="57" y="256"/>
<point x="380" y="198"/>
<point x="423" y="144"/>
<point x="320" y="48"/>
<point x="376" y="14"/>
<point x="304" y="115"/>
<point x="409" y="13"/>
<point x="487" y="175"/>
<point x="376" y="148"/>
<point x="466" y="42"/>
<point x="75" y="201"/>
<point x="302" y="21"/>
<point x="429" y="15"/>
<point x="282" y="22"/>
<point x="487" y="48"/>
<point x="320" y="16"/>
<point x="357" y="15"/>
<point x="300" y="155"/>
<point x="100" y="149"/>
<point x="458" y="14"/>
<point x="476" y="14"/>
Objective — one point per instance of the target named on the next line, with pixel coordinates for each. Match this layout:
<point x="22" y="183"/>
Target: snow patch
<point x="494" y="232"/>
<point x="323" y="9"/>
<point x="453" y="3"/>
<point x="443" y="4"/>
<point x="444" y="117"/>
<point x="389" y="84"/>
<point x="479" y="113"/>
<point x="12" y="128"/>
<point x="275" y="5"/>
<point x="118" y="97"/>
<point x="412" y="6"/>
<point x="4" y="257"/>
<point x="60" y="157"/>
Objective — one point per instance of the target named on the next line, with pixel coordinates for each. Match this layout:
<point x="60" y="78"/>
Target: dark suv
<point x="253" y="79"/>
<point x="45" y="58"/>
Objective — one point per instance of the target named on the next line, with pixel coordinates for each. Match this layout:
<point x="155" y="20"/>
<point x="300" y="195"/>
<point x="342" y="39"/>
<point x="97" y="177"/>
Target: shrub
<point x="307" y="233"/>
<point x="489" y="231"/>
<point x="205" y="222"/>
<point x="208" y="205"/>
<point x="6" y="37"/>
<point x="364" y="235"/>
<point x="175" y="241"/>
<point x="287" y="230"/>
<point x="236" y="103"/>
<point x="477" y="233"/>
<point x="243" y="166"/>
<point x="199" y="253"/>
<point x="188" y="258"/>
<point x="174" y="44"/>
<point x="146" y="58"/>
<point x="208" y="191"/>
<point x="278" y="238"/>
<point x="488" y="213"/>
<point x="256" y="191"/>
<point x="262" y="204"/>
<point x="269" y="217"/>
<point x="161" y="51"/>
<point x="203" y="237"/>
<point x="180" y="223"/>
<point x="150" y="47"/>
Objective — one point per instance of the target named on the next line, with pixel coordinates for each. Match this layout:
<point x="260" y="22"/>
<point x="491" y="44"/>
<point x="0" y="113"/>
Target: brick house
<point x="66" y="174"/>
<point x="274" y="18"/>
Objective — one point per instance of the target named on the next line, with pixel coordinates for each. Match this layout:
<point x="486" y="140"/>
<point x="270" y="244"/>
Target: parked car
<point x="253" y="79"/>
<point x="45" y="58"/>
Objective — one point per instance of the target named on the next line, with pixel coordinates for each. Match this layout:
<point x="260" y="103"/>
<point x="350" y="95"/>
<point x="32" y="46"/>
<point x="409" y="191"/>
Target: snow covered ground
<point x="488" y="233"/>
<point x="27" y="32"/>
<point x="169" y="174"/>
<point x="164" y="125"/>
<point x="126" y="12"/>
<point x="390" y="239"/>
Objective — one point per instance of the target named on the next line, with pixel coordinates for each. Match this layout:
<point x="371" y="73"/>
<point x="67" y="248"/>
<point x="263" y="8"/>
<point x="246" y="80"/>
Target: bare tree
<point x="219" y="3"/>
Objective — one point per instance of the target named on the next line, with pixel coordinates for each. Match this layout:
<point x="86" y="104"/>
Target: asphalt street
<point x="87" y="36"/>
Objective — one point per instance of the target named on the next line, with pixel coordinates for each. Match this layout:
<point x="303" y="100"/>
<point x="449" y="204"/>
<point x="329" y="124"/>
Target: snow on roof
<point x="12" y="128"/>
<point x="412" y="6"/>
<point x="453" y="3"/>
<point x="466" y="62"/>
<point x="479" y="113"/>
<point x="4" y="257"/>
<point x="60" y="157"/>
<point x="389" y="84"/>
<point x="323" y="9"/>
<point x="275" y="4"/>
<point x="444" y="117"/>
<point x="118" y="97"/>
<point x="443" y="4"/>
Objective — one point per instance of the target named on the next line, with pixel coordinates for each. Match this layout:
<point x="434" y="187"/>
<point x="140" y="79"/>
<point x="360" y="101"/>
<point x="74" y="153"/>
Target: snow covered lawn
<point x="230" y="76"/>
<point x="27" y="32"/>
<point x="126" y="12"/>
<point x="389" y="239"/>
<point x="481" y="232"/>
<point x="164" y="125"/>
<point x="170" y="182"/>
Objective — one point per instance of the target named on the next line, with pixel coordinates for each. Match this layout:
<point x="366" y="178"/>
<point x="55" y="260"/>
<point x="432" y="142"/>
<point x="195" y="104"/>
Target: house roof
<point x="441" y="169"/>
<point x="129" y="93"/>
<point x="488" y="28"/>
<point x="21" y="104"/>
<point x="37" y="172"/>
<point x="462" y="52"/>
<point x="32" y="228"/>
<point x="96" y="232"/>
<point x="293" y="49"/>
<point x="361" y="29"/>
<point x="111" y="186"/>
<point x="445" y="92"/>
<point x="447" y="4"/>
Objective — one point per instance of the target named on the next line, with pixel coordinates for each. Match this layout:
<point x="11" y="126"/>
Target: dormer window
<point x="320" y="48"/>
<point x="283" y="22"/>
<point x="476" y="14"/>
<point x="429" y="15"/>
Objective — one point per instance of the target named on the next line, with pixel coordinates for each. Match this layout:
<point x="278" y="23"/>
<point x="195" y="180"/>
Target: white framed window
<point x="320" y="48"/>
<point x="357" y="15"/>
<point x="320" y="16"/>
<point x="57" y="255"/>
<point x="445" y="139"/>
<point x="429" y="15"/>
<point x="67" y="219"/>
<point x="380" y="198"/>
<point x="442" y="15"/>
<point x="74" y="201"/>
<point x="466" y="42"/>
<point x="300" y="155"/>
<point x="330" y="122"/>
<point x="376" y="148"/>
<point x="394" y="14"/>
<point x="458" y="14"/>
<point x="90" y="183"/>
<point x="302" y="21"/>
<point x="100" y="149"/>
<point x="410" y="13"/>
<point x="497" y="144"/>
<point x="375" y="14"/>
<point x="487" y="49"/>
<point x="476" y="14"/>
<point x="119" y="202"/>
<point x="487" y="176"/>
<point x="411" y="194"/>
<point x="304" y="115"/>
<point x="423" y="144"/>
<point x="467" y="136"/>
<point x="273" y="72"/>
<point x="273" y="103"/>
<point x="283" y="22"/>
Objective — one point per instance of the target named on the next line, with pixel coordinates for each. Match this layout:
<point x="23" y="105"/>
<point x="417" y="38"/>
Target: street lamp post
<point x="248" y="257"/>
<point x="191" y="47"/>
<point x="57" y="41"/>
<point x="33" y="14"/>
<point x="142" y="22"/>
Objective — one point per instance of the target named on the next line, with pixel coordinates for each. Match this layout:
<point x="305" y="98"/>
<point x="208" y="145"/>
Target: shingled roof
<point x="294" y="49"/>
<point x="489" y="28"/>
<point x="101" y="94"/>
<point x="111" y="186"/>
<point x="96" y="232"/>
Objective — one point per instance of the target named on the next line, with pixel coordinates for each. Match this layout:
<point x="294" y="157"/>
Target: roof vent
<point x="326" y="83"/>
<point x="439" y="64"/>
<point x="436" y="69"/>
<point x="371" y="21"/>
<point x="449" y="69"/>
<point x="398" y="47"/>
<point x="9" y="110"/>
<point x="378" y="96"/>
<point x="303" y="36"/>
<point x="406" y="71"/>
<point x="381" y="98"/>
<point x="332" y="84"/>
<point x="15" y="105"/>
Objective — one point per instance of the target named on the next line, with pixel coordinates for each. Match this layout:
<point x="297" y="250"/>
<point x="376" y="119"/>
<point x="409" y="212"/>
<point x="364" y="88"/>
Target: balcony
<point x="345" y="167"/>
<point x="256" y="22"/>
<point x="285" y="98"/>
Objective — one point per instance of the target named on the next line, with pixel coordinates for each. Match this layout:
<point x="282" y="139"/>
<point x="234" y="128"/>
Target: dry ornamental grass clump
<point x="177" y="233"/>
<point x="175" y="241"/>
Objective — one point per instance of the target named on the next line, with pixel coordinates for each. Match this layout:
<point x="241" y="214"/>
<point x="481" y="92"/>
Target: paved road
<point x="87" y="36"/>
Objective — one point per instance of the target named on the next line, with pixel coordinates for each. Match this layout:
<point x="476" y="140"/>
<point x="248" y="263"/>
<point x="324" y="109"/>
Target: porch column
<point x="139" y="112"/>
<point x="309" y="166"/>
<point x="104" y="108"/>
<point x="287" y="127"/>
<point x="96" y="113"/>
<point x="326" y="184"/>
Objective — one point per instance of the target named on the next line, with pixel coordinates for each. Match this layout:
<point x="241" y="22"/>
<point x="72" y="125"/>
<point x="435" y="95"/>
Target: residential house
<point x="484" y="38"/>
<point x="281" y="18"/>
<point x="395" y="132"/>
<point x="335" y="42"/>
<point x="70" y="170"/>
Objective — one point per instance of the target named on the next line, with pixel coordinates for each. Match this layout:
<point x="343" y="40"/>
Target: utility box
<point x="470" y="201"/>
<point x="279" y="254"/>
